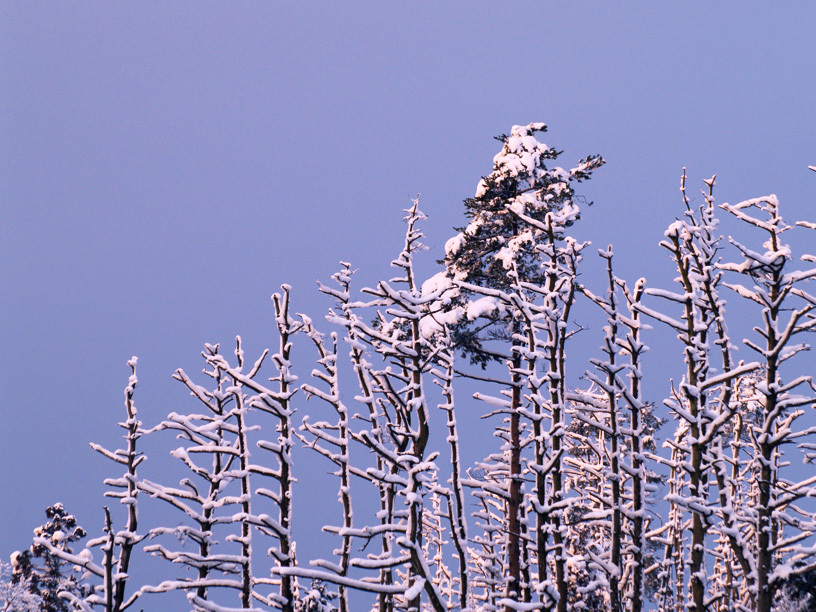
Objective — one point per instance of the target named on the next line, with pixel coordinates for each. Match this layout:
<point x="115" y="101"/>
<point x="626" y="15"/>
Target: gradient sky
<point x="166" y="166"/>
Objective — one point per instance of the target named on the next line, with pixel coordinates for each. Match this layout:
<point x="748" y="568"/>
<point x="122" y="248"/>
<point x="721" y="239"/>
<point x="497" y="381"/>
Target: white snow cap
<point x="439" y="282"/>
<point x="453" y="245"/>
<point x="484" y="306"/>
<point x="521" y="153"/>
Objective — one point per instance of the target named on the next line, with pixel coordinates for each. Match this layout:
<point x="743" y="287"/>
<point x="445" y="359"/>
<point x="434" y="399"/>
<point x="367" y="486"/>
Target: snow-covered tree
<point x="735" y="525"/>
<point x="318" y="598"/>
<point x="516" y="267"/>
<point x="333" y="441"/>
<point x="125" y="489"/>
<point x="391" y="358"/>
<point x="796" y="592"/>
<point x="701" y="402"/>
<point x="272" y="400"/>
<point x="43" y="570"/>
<point x="454" y="495"/>
<point x="17" y="596"/>
<point x="778" y="527"/>
<point x="372" y="429"/>
<point x="214" y="499"/>
<point x="612" y="426"/>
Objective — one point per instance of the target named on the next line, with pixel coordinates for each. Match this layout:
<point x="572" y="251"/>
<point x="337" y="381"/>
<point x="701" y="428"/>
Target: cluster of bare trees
<point x="577" y="506"/>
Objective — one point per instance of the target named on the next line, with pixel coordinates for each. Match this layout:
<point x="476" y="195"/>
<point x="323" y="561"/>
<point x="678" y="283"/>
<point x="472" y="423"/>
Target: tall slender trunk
<point x="764" y="525"/>
<point x="133" y="460"/>
<point x="345" y="496"/>
<point x="246" y="533"/>
<point x="514" y="498"/>
<point x="616" y="527"/>
<point x="281" y="302"/>
<point x="108" y="562"/>
<point x="638" y="469"/>
<point x="456" y="499"/>
<point x="638" y="507"/>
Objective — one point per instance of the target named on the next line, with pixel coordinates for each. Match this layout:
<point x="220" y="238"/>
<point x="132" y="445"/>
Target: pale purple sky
<point x="166" y="166"/>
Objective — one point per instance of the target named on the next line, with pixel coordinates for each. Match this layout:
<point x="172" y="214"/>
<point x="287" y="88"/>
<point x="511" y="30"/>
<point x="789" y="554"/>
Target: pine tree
<point x="796" y="592"/>
<point x="515" y="267"/>
<point x="45" y="572"/>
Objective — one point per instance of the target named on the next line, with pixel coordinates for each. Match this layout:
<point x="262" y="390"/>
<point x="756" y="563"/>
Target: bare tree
<point x="612" y="426"/>
<point x="117" y="546"/>
<point x="701" y="401"/>
<point x="214" y="451"/>
<point x="274" y="400"/>
<point x="778" y="523"/>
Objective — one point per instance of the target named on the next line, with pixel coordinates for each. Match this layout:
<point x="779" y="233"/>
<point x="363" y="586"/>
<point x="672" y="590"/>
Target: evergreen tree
<point x="45" y="572"/>
<point x="797" y="592"/>
<point x="516" y="271"/>
<point x="317" y="599"/>
<point x="508" y="221"/>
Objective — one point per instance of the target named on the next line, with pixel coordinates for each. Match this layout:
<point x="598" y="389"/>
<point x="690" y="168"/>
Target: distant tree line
<point x="577" y="506"/>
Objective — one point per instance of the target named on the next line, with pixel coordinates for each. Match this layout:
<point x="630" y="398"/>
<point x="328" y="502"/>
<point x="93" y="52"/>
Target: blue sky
<point x="166" y="166"/>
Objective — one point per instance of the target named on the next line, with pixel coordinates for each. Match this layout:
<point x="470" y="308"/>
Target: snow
<point x="415" y="589"/>
<point x="437" y="284"/>
<point x="485" y="306"/>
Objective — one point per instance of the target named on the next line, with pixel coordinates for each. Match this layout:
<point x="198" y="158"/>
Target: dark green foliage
<point x="47" y="575"/>
<point x="511" y="215"/>
<point x="796" y="593"/>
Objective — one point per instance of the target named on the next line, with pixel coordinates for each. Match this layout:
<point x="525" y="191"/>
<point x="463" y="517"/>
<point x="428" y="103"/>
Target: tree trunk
<point x="514" y="500"/>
